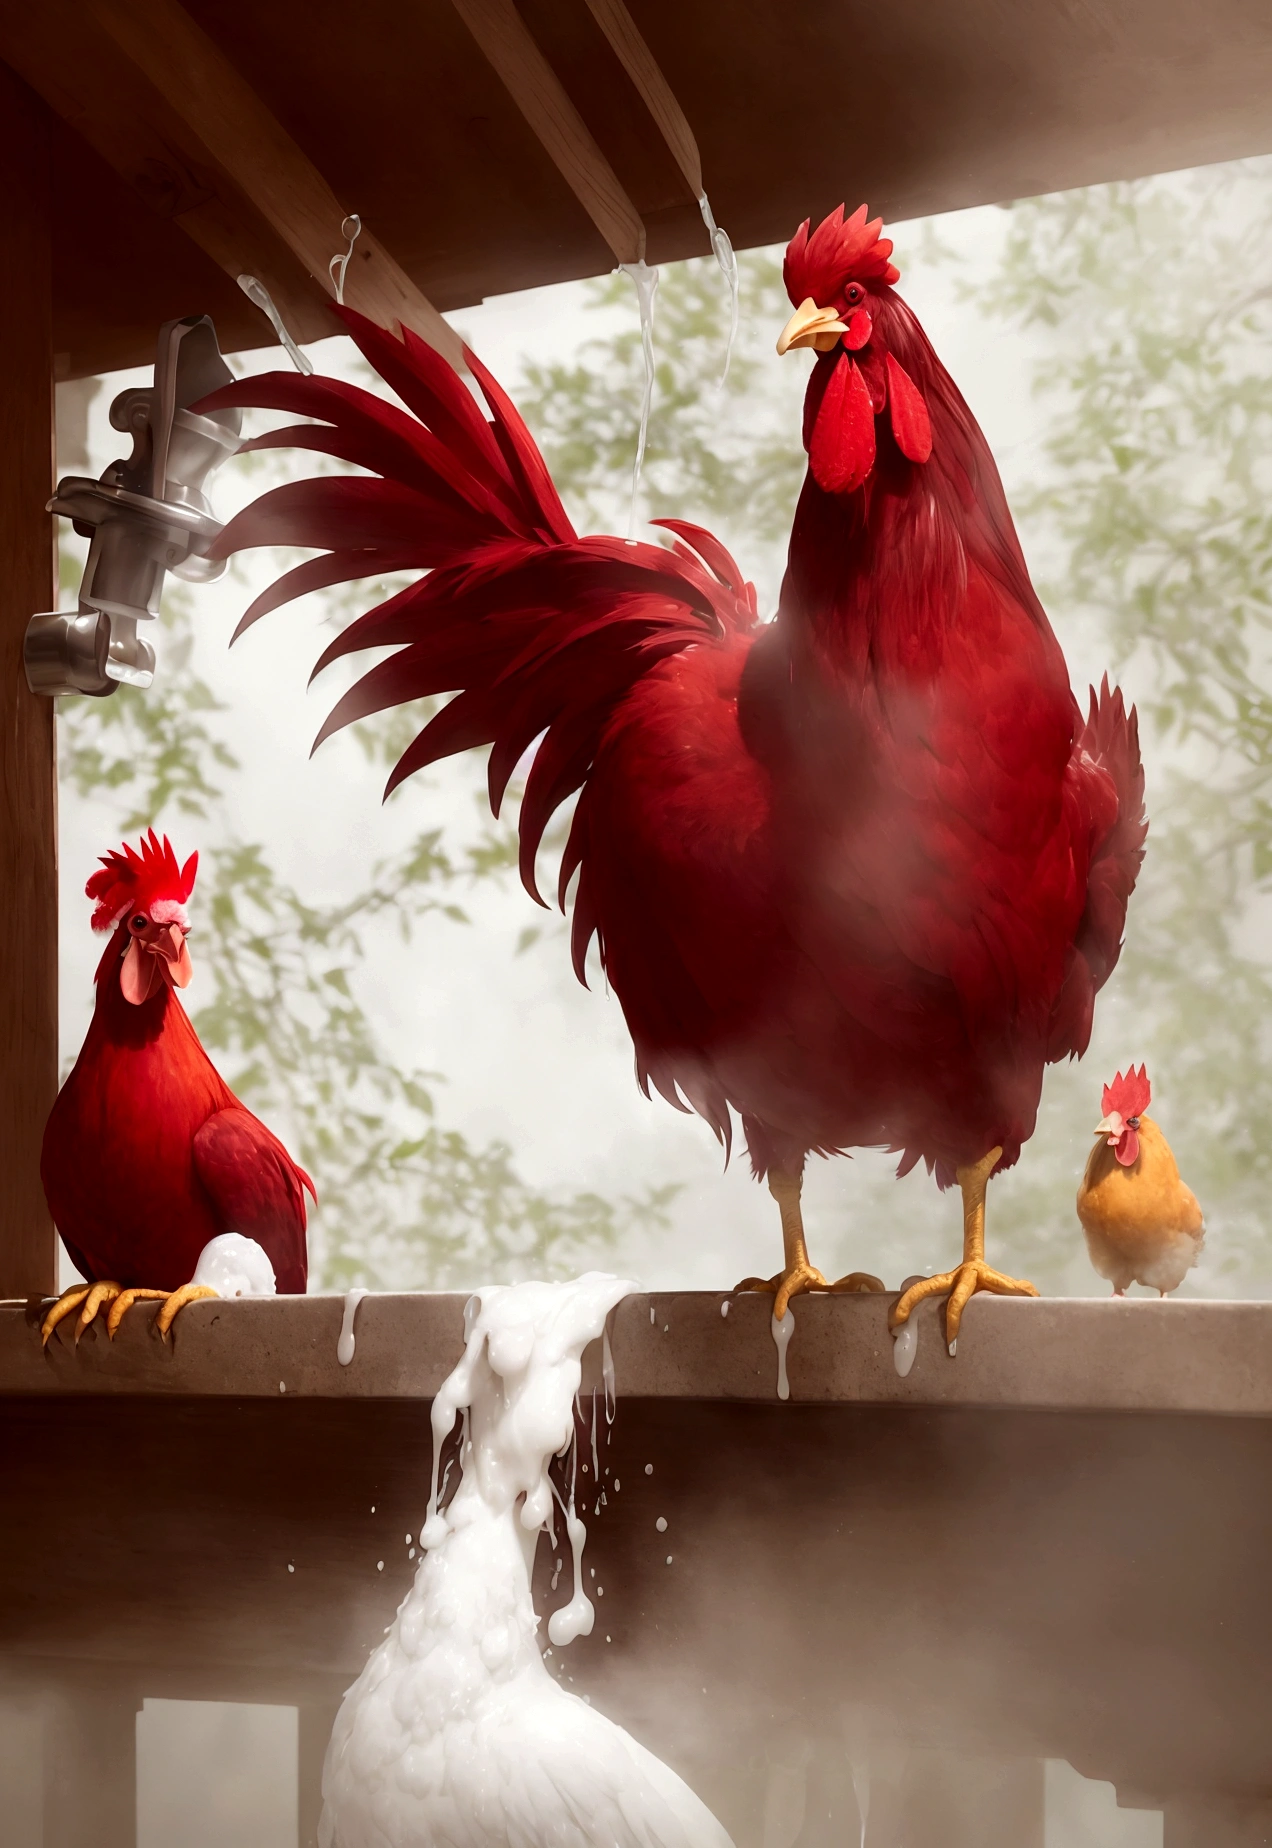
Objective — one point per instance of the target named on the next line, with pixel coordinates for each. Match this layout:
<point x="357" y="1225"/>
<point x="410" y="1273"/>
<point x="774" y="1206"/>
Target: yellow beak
<point x="811" y="326"/>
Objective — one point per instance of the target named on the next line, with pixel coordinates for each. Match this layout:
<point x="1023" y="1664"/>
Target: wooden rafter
<point x="159" y="100"/>
<point x="241" y="135"/>
<point x="539" y="94"/>
<point x="629" y="47"/>
<point x="87" y="79"/>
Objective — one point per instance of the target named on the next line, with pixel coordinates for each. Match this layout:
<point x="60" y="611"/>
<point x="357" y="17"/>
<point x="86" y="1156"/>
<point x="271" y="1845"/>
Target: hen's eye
<point x="855" y="293"/>
<point x="140" y="921"/>
<point x="1132" y="1122"/>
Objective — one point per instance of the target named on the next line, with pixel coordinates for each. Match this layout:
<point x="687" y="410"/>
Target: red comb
<point x="1129" y="1096"/>
<point x="129" y="878"/>
<point x="841" y="250"/>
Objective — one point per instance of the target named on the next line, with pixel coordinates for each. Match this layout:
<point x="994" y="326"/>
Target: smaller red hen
<point x="148" y="1155"/>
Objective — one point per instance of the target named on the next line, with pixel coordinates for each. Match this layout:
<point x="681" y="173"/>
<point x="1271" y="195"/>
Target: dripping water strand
<point x="645" y="282"/>
<point x="726" y="257"/>
<point x="260" y="297"/>
<point x="351" y="229"/>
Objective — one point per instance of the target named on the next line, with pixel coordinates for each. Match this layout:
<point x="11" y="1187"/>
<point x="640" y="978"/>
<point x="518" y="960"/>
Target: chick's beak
<point x="811" y="326"/>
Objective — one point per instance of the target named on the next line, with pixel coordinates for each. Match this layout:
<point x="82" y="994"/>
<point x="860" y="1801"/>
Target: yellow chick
<point x="1142" y="1224"/>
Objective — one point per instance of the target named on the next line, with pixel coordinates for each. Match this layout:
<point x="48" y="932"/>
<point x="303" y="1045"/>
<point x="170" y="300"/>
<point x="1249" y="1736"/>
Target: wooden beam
<point x="538" y="92"/>
<point x="28" y="778"/>
<point x="86" y="78"/>
<point x="629" y="47"/>
<point x="241" y="136"/>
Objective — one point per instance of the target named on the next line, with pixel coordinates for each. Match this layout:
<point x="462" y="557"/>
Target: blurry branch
<point x="714" y="456"/>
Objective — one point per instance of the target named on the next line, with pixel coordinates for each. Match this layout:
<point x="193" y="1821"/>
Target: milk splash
<point x="455" y="1733"/>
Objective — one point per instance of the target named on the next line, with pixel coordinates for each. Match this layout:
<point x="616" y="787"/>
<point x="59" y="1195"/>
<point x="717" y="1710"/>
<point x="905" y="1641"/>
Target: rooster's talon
<point x="91" y="1295"/>
<point x="958" y="1286"/>
<point x="188" y="1293"/>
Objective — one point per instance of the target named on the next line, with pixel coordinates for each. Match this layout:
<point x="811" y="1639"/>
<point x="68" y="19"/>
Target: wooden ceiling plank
<point x="86" y="79"/>
<point x="629" y="47"/>
<point x="539" y="94"/>
<point x="242" y="136"/>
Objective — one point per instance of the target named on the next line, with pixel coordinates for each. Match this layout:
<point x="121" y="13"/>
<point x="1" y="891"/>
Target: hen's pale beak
<point x="811" y="326"/>
<point x="1111" y="1126"/>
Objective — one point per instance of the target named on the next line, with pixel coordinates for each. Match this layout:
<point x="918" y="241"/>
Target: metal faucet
<point x="145" y="517"/>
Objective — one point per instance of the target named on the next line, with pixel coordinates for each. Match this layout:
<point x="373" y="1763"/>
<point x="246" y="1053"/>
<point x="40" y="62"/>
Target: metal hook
<point x="351" y="228"/>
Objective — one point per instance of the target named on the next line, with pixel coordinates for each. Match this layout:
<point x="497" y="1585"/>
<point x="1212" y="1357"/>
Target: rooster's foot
<point x="802" y="1278"/>
<point x="93" y="1296"/>
<point x="173" y="1302"/>
<point x="958" y="1286"/>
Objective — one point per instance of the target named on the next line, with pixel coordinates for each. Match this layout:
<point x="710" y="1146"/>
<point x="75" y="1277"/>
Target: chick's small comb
<point x="1129" y="1096"/>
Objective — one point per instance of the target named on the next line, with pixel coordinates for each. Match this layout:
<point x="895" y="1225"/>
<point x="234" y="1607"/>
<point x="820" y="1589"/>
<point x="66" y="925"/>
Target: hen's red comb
<point x="130" y="879"/>
<point x="1129" y="1096"/>
<point x="841" y="250"/>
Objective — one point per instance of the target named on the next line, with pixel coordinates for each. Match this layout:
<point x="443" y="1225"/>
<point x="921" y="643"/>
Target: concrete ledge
<point x="1066" y="1354"/>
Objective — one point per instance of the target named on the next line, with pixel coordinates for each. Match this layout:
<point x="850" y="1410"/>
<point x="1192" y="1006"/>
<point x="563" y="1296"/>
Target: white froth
<point x="235" y="1266"/>
<point x="455" y="1733"/>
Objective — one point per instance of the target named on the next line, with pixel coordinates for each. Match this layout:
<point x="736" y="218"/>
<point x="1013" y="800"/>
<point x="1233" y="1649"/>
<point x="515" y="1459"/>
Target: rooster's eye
<point x="1132" y="1122"/>
<point x="139" y="922"/>
<point x="854" y="294"/>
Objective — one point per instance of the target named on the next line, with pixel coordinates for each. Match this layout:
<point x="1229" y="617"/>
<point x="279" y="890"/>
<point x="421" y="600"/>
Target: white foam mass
<point x="455" y="1735"/>
<point x="235" y="1266"/>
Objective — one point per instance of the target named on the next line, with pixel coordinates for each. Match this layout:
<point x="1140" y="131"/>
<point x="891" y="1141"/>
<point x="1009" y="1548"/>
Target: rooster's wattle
<point x="857" y="873"/>
<point x="148" y="1155"/>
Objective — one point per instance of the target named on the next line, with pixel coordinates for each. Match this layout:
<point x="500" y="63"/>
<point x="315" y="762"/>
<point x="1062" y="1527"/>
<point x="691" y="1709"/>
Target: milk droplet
<point x="607" y="1376"/>
<point x="411" y="1554"/>
<point x="649" y="1469"/>
<point x="617" y="1485"/>
<point x="291" y="1568"/>
<point x="651" y="1315"/>
<point x="282" y="1386"/>
<point x="669" y="1559"/>
<point x="379" y="1565"/>
<point x="661" y="1524"/>
<point x="782" y="1332"/>
<point x="905" y="1345"/>
<point x="953" y="1347"/>
<point x="345" y="1344"/>
<point x="724" y="1308"/>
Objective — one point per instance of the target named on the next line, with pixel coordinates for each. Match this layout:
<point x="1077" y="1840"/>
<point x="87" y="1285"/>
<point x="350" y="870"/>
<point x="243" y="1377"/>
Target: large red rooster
<point x="148" y="1155"/>
<point x="855" y="874"/>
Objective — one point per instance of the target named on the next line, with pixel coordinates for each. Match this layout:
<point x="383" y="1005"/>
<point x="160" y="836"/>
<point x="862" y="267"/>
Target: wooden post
<point x="28" y="777"/>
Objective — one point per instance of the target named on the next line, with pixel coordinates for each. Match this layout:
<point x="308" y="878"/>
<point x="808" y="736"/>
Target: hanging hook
<point x="351" y="228"/>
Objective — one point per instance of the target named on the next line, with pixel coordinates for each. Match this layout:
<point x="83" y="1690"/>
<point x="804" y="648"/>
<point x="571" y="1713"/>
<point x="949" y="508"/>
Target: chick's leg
<point x="797" y="1273"/>
<point x="973" y="1274"/>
